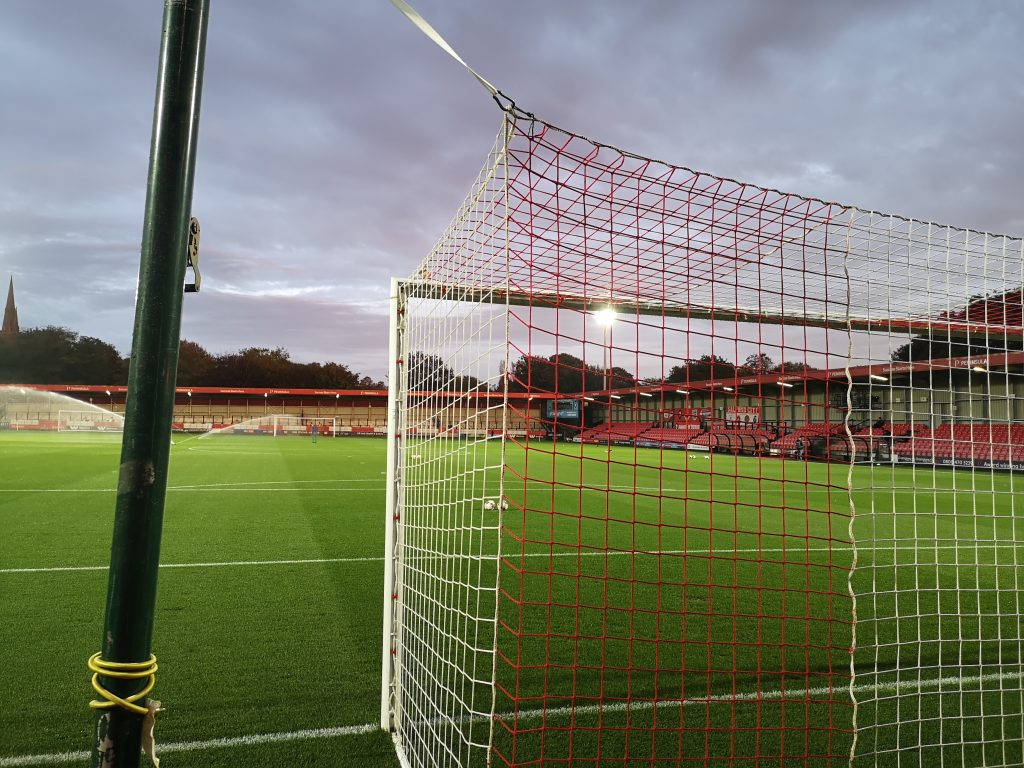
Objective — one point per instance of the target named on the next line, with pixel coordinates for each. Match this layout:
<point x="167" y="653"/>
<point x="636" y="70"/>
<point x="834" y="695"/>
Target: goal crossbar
<point x="935" y="328"/>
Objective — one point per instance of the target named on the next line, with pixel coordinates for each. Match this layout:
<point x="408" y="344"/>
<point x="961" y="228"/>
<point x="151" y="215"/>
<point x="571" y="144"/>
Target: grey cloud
<point x="336" y="142"/>
<point x="326" y="331"/>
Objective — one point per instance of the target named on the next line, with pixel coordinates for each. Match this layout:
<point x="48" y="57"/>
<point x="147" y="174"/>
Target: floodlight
<point x="605" y="317"/>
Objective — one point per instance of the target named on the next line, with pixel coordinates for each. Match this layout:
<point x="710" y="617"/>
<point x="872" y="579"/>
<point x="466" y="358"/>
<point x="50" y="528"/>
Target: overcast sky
<point x="336" y="141"/>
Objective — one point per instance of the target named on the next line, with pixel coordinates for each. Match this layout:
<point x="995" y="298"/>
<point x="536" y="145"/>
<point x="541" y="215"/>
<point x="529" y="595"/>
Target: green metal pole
<point x="142" y="483"/>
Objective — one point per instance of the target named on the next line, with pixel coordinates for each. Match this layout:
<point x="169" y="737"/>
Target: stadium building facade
<point x="963" y="411"/>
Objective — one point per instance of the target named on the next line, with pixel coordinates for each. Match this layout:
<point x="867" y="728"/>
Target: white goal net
<point x="283" y="425"/>
<point x="89" y="421"/>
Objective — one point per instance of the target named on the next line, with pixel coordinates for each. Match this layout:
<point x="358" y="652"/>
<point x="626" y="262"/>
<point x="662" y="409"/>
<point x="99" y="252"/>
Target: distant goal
<point x="89" y="421"/>
<point x="285" y="426"/>
<point x="280" y="425"/>
<point x="686" y="471"/>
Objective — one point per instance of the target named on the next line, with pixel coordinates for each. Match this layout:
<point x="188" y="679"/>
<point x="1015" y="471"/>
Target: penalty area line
<point x="722" y="553"/>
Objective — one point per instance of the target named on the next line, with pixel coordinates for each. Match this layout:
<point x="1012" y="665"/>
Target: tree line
<point x="55" y="355"/>
<point x="568" y="374"/>
<point x="927" y="348"/>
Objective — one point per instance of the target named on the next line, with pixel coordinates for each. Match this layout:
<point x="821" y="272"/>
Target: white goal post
<point x="283" y="425"/>
<point x="447" y="424"/>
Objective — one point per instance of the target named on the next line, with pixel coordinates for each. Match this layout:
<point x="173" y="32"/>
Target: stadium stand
<point x="747" y="441"/>
<point x="903" y="429"/>
<point x="873" y="447"/>
<point x="960" y="443"/>
<point x="871" y="432"/>
<point x="788" y="443"/>
<point x="615" y="431"/>
<point x="669" y="436"/>
<point x="963" y="443"/>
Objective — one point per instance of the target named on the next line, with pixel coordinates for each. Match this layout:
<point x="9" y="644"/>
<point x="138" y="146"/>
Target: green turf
<point x="248" y="646"/>
<point x="243" y="648"/>
<point x="635" y="577"/>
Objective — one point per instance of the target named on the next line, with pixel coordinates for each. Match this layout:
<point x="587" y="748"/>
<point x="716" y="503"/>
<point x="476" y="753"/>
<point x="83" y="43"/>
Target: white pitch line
<point x="248" y="452"/>
<point x="72" y="568"/>
<point x="539" y="486"/>
<point x="275" y="482"/>
<point x="236" y="452"/>
<point x="240" y="489"/>
<point x="62" y="758"/>
<point x="260" y="485"/>
<point x="796" y="694"/>
<point x="582" y="553"/>
<point x="57" y="490"/>
<point x="194" y="490"/>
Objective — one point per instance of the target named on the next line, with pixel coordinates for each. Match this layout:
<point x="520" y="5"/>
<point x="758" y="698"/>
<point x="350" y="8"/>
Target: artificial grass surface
<point x="251" y="645"/>
<point x="632" y="580"/>
<point x="243" y="648"/>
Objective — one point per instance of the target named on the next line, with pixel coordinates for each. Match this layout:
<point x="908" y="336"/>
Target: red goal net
<point x="732" y="484"/>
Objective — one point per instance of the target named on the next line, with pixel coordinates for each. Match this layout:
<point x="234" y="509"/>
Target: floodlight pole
<point x="145" y="450"/>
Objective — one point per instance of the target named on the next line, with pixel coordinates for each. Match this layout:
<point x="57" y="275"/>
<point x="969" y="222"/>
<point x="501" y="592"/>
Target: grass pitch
<point x="269" y="606"/>
<point x="268" y="609"/>
<point x="673" y="608"/>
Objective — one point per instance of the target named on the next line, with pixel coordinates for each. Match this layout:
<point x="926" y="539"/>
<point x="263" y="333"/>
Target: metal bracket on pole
<point x="192" y="256"/>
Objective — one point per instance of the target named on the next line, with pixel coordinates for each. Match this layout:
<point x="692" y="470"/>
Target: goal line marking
<point x="63" y="758"/>
<point x="581" y="553"/>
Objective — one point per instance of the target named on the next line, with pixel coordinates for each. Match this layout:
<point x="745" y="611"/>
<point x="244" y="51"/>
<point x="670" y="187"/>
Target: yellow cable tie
<point x="122" y="670"/>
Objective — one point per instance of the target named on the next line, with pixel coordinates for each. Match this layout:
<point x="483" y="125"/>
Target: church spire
<point x="10" y="326"/>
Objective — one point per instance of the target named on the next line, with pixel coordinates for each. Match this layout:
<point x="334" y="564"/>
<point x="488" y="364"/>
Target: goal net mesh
<point x="93" y="420"/>
<point x="285" y="425"/>
<point x="690" y="471"/>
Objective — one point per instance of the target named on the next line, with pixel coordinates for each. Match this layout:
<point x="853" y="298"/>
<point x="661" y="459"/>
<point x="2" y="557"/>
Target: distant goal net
<point x="281" y="425"/>
<point x="684" y="471"/>
<point x="285" y="425"/>
<point x="89" y="421"/>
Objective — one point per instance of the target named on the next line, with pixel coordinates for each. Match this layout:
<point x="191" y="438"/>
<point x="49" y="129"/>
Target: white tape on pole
<point x="429" y="31"/>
